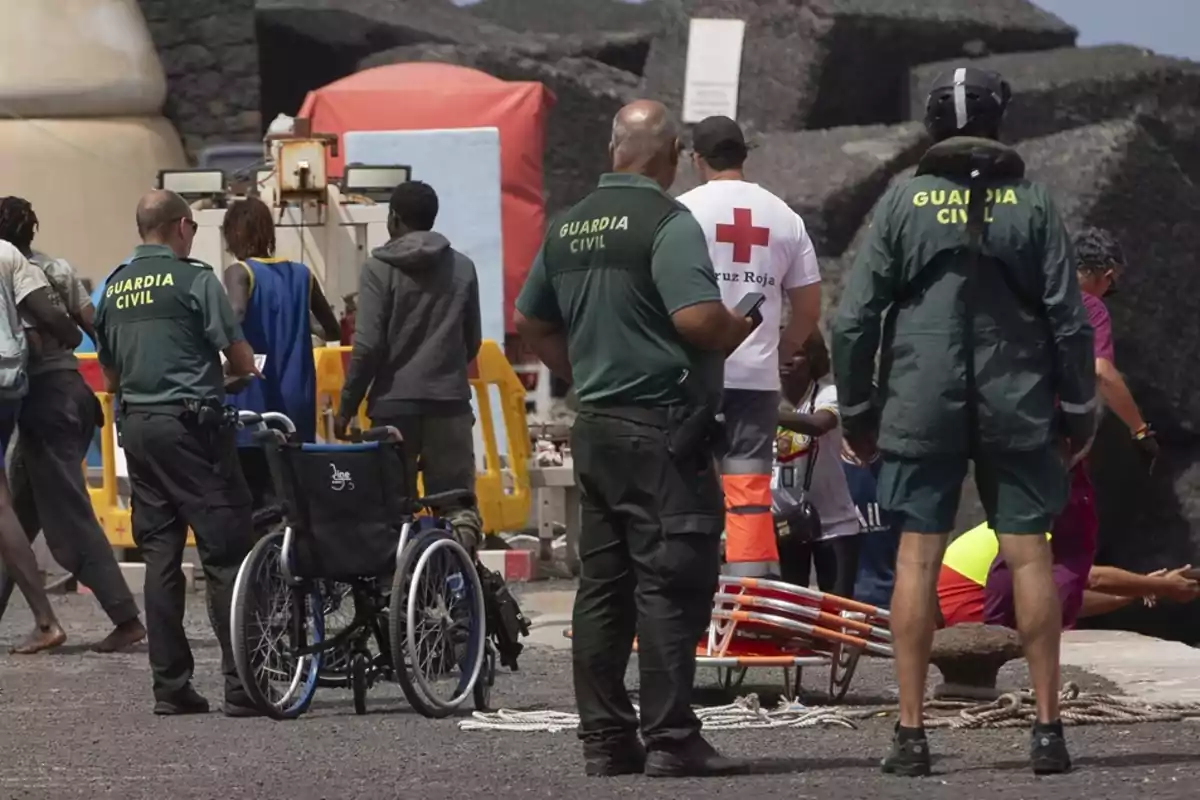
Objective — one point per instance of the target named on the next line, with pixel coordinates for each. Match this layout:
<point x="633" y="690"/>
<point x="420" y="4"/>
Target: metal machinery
<point x="331" y="227"/>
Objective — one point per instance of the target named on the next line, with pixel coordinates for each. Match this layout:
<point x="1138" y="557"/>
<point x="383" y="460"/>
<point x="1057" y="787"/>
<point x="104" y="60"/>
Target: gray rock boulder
<point x="828" y="63"/>
<point x="209" y="52"/>
<point x="306" y="44"/>
<point x="1056" y="90"/>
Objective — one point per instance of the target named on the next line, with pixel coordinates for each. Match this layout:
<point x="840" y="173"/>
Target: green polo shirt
<point x="611" y="271"/>
<point x="162" y="324"/>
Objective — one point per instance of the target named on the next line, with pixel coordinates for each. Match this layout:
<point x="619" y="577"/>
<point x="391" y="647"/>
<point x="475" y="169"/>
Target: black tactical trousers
<point x="185" y="475"/>
<point x="442" y="449"/>
<point x="649" y="556"/>
<point x="57" y="422"/>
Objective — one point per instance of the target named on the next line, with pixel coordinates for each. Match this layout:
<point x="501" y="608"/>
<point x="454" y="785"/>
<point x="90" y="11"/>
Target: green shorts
<point x="1021" y="492"/>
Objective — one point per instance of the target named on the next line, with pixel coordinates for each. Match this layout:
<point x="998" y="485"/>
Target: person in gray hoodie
<point x="417" y="329"/>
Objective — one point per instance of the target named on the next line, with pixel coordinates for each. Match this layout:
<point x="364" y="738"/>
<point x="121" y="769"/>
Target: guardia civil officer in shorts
<point x="622" y="300"/>
<point x="161" y="326"/>
<point x="986" y="356"/>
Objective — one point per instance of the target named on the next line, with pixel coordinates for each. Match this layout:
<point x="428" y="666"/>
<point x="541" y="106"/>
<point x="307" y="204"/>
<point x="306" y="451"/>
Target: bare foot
<point x="41" y="638"/>
<point x="124" y="635"/>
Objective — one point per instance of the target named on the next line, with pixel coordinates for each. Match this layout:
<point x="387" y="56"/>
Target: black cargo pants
<point x="442" y="449"/>
<point x="56" y="426"/>
<point x="649" y="556"/>
<point x="186" y="475"/>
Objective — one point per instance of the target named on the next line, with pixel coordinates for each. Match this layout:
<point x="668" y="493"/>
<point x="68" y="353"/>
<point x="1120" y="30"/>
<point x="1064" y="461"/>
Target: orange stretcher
<point x="759" y="623"/>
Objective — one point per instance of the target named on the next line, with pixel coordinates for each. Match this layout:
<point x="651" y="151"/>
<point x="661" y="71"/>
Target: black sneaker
<point x="909" y="757"/>
<point x="240" y="710"/>
<point x="1048" y="749"/>
<point x="188" y="701"/>
<point x="695" y="759"/>
<point x="610" y="759"/>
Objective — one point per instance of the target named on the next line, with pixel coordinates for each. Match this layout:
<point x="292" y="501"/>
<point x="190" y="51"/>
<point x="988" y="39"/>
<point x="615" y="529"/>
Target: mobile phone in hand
<point x="751" y="306"/>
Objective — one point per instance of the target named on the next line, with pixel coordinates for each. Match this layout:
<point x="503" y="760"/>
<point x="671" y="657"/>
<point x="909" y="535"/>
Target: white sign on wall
<point x="714" y="67"/>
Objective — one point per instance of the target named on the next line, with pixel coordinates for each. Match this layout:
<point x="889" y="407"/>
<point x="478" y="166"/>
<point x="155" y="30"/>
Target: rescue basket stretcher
<point x="759" y="623"/>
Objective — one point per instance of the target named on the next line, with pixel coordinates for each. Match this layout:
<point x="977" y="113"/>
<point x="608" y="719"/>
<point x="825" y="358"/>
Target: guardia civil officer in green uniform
<point x="623" y="301"/>
<point x="985" y="356"/>
<point x="162" y="324"/>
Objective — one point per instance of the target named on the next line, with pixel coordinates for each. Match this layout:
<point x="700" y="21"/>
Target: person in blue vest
<point x="273" y="299"/>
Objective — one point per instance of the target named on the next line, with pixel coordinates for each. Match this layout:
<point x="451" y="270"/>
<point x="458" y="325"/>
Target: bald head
<point x="158" y="209"/>
<point x="645" y="141"/>
<point x="164" y="217"/>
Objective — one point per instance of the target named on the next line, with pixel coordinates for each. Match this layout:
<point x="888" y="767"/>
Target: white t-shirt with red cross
<point x="757" y="244"/>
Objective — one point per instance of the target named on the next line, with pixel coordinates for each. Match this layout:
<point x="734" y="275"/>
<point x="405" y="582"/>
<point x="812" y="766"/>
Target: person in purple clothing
<point x="1101" y="261"/>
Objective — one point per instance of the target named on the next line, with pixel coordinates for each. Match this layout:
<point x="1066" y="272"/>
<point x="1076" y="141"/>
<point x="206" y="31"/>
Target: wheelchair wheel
<point x="486" y="680"/>
<point x="339" y="614"/>
<point x="438" y="628"/>
<point x="270" y="619"/>
<point x="360" y="680"/>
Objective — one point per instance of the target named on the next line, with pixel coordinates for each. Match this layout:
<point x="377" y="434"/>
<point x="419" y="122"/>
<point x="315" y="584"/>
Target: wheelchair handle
<point x="385" y="433"/>
<point x="268" y="419"/>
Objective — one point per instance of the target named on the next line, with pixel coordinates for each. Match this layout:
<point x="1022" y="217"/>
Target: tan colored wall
<point x="78" y="58"/>
<point x="81" y="131"/>
<point x="84" y="178"/>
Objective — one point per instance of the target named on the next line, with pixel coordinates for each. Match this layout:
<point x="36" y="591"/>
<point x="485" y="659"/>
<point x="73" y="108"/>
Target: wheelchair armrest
<point x="434" y="502"/>
<point x="384" y="434"/>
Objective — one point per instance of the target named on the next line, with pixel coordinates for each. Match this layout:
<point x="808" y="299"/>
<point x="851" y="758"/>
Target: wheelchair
<point x="269" y="517"/>
<point x="410" y="599"/>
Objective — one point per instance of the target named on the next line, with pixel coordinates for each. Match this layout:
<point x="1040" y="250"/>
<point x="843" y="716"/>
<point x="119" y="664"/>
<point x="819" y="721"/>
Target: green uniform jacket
<point x="908" y="295"/>
<point x="612" y="270"/>
<point x="162" y="324"/>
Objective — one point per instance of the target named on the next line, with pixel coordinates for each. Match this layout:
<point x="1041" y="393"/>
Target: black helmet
<point x="966" y="102"/>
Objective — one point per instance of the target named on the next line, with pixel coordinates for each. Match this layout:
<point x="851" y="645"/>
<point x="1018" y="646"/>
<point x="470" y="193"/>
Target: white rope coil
<point x="744" y="714"/>
<point x="1012" y="710"/>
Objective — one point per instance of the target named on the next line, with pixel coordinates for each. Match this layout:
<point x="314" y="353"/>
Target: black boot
<point x="1048" y="749"/>
<point x="909" y="757"/>
<point x="188" y="701"/>
<point x="694" y="759"/>
<point x="622" y="756"/>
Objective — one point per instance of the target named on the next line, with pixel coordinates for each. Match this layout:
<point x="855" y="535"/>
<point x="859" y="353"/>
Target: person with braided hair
<point x="24" y="290"/>
<point x="56" y="423"/>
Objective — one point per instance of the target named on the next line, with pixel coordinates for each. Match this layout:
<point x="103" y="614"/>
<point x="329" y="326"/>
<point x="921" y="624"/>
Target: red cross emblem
<point x="743" y="235"/>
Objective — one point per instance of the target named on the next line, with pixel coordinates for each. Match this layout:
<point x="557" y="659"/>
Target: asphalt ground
<point x="78" y="725"/>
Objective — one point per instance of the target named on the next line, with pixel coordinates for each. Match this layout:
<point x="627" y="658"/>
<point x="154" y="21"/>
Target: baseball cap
<point x="718" y="136"/>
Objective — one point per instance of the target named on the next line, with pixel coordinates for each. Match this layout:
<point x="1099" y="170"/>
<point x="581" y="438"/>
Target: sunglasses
<point x="191" y="223"/>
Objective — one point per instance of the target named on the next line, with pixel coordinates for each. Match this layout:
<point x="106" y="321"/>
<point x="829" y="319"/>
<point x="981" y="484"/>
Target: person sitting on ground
<point x="417" y="329"/>
<point x="810" y="438"/>
<point x="56" y="423"/>
<point x="971" y="588"/>
<point x="272" y="299"/>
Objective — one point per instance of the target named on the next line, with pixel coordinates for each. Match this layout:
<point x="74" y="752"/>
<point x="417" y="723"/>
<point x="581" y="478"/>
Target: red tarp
<point x="427" y="96"/>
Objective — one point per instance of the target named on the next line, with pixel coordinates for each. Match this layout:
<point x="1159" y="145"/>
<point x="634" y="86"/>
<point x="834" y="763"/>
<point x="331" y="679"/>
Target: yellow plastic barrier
<point x="503" y="493"/>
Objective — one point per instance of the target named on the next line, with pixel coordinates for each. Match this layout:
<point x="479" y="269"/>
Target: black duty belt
<point x="640" y="415"/>
<point x="173" y="409"/>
